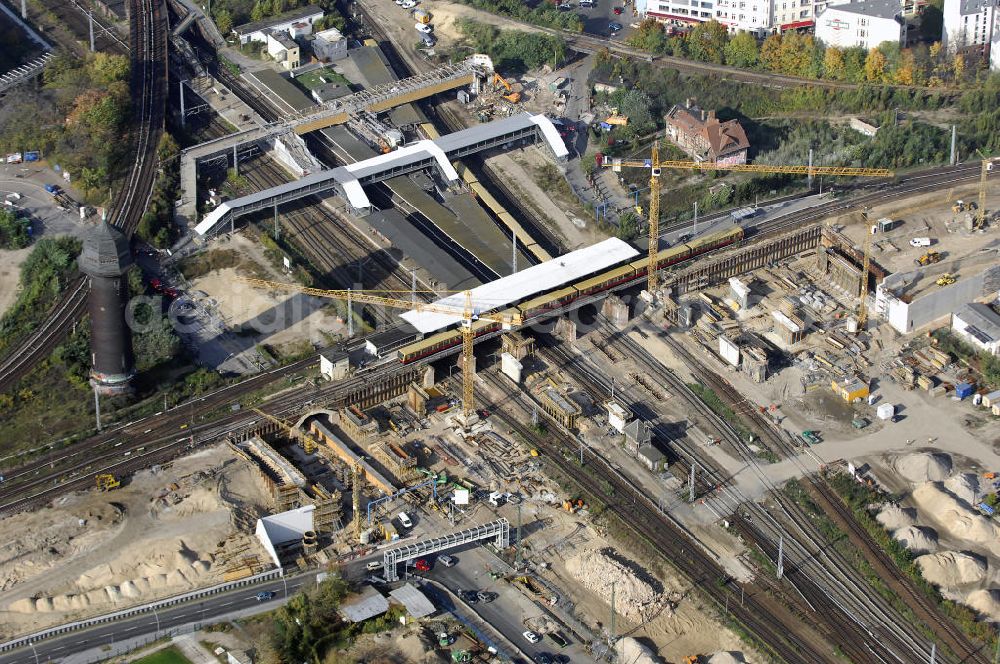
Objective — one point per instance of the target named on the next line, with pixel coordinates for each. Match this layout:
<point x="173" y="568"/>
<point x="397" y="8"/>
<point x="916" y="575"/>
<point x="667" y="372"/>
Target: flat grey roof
<point x="451" y="274"/>
<point x="983" y="319"/>
<point x="878" y="8"/>
<point x="416" y="603"/>
<point x="367" y="604"/>
<point x="285" y="17"/>
<point x="282" y="88"/>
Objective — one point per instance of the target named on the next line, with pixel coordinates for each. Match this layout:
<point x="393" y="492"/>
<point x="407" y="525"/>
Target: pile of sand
<point x="166" y="566"/>
<point x="986" y="602"/>
<point x="199" y="500"/>
<point x="730" y="657"/>
<point x="632" y="651"/>
<point x="952" y="568"/>
<point x="922" y="467"/>
<point x="635" y="598"/>
<point x="894" y="517"/>
<point x="964" y="487"/>
<point x="917" y="539"/>
<point x="954" y="516"/>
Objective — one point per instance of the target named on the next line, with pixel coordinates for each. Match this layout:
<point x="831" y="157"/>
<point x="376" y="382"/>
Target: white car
<point x="531" y="637"/>
<point x="408" y="4"/>
<point x="404" y="520"/>
<point x="425" y="28"/>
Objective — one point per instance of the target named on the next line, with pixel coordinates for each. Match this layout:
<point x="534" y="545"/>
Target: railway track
<point x="944" y="629"/>
<point x="844" y="590"/>
<point x="779" y="629"/>
<point x="149" y="77"/>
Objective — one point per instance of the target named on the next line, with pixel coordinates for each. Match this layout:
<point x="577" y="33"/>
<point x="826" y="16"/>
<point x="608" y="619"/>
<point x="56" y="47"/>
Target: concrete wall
<point x="937" y="304"/>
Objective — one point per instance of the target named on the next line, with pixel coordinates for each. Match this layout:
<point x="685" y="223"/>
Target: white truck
<point x="920" y="242"/>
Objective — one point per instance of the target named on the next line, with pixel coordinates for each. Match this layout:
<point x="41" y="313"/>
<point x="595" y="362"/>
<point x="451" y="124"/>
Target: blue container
<point x="963" y="390"/>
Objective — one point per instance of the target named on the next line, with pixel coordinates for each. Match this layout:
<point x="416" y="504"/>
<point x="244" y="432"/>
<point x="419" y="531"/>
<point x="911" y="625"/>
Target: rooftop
<point x="416" y="603"/>
<point x="366" y="604"/>
<point x="105" y="252"/>
<point x="282" y="88"/>
<point x="530" y="281"/>
<point x="983" y="322"/>
<point x="290" y="16"/>
<point x="878" y="8"/>
<point x="721" y="137"/>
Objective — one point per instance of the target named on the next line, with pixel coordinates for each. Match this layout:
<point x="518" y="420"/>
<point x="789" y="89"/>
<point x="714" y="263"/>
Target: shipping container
<point x="963" y="390"/>
<point x="33" y="155"/>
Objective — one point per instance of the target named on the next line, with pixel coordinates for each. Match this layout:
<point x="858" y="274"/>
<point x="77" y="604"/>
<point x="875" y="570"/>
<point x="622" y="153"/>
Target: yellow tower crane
<point x="305" y="440"/>
<point x="656" y="166"/>
<point x="466" y="313"/>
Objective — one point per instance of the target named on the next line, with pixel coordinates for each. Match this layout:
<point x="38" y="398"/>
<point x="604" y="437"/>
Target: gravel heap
<point x="952" y="568"/>
<point x="635" y="598"/>
<point x="922" y="467"/>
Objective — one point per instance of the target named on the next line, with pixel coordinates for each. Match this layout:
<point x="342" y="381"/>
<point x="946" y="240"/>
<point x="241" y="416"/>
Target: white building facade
<point x="295" y="23"/>
<point x="970" y="24"/>
<point x="758" y="17"/>
<point x="866" y="23"/>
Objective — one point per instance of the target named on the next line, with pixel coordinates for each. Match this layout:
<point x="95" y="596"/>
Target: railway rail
<point x="779" y="629"/>
<point x="943" y="628"/>
<point x="149" y="77"/>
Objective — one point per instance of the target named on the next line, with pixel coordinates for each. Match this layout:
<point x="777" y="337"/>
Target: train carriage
<point x="609" y="279"/>
<point x="545" y="303"/>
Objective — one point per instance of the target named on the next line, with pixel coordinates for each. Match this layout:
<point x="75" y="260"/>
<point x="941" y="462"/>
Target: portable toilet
<point x="963" y="390"/>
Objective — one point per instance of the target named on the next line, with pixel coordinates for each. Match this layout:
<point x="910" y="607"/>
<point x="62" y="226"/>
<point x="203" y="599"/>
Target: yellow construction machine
<point x="946" y="279"/>
<point x="107" y="482"/>
<point x="930" y="257"/>
<point x="513" y="95"/>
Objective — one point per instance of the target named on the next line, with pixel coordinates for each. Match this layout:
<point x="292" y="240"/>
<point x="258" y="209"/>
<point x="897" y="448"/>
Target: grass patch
<point x="320" y="77"/>
<point x="712" y="400"/>
<point x="169" y="655"/>
<point x="204" y="263"/>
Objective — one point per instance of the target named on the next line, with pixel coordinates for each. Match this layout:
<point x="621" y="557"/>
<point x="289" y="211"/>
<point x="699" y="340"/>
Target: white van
<point x="404" y="520"/>
<point x="374" y="565"/>
<point x="920" y="242"/>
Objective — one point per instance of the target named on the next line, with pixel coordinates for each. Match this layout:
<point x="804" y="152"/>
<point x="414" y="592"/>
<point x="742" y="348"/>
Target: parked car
<point x="531" y="637"/>
<point x="408" y="4"/>
<point x="264" y="596"/>
<point x="486" y="596"/>
<point x="425" y="28"/>
<point x="614" y="26"/>
<point x="447" y="561"/>
<point x="404" y="520"/>
<point x="428" y="40"/>
<point x="618" y="11"/>
<point x="422" y="565"/>
<point x="374" y="565"/>
<point x="558" y="639"/>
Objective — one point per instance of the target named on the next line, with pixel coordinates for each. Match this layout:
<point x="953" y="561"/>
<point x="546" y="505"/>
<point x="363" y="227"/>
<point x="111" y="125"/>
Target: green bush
<point x="43" y="276"/>
<point x="513" y="50"/>
<point x="13" y="231"/>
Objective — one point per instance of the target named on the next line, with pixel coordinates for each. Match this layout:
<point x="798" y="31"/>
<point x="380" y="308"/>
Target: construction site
<point x="531" y="435"/>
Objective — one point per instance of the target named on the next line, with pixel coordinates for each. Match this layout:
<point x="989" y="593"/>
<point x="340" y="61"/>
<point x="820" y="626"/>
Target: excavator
<point x="513" y="95"/>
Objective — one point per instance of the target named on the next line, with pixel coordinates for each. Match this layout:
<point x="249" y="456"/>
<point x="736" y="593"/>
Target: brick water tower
<point x="104" y="260"/>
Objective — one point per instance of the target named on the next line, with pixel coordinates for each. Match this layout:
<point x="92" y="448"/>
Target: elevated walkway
<point x="498" y="531"/>
<point x="349" y="180"/>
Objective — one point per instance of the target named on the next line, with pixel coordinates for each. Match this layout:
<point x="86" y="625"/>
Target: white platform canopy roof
<point x="530" y="281"/>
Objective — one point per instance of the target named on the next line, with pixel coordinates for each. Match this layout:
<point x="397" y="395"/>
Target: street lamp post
<point x="32" y="644"/>
<point x="157" y="616"/>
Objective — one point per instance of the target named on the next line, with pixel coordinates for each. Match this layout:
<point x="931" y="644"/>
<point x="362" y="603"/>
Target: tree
<point x="650" y="36"/>
<point x="770" y="53"/>
<point x="637" y="106"/>
<point x="854" y="63"/>
<point x="224" y="20"/>
<point x="796" y="53"/>
<point x="906" y="72"/>
<point x="875" y="66"/>
<point x="958" y="66"/>
<point x="628" y="226"/>
<point x="833" y="64"/>
<point x="707" y="41"/>
<point x="106" y="68"/>
<point x="257" y="13"/>
<point x="742" y="51"/>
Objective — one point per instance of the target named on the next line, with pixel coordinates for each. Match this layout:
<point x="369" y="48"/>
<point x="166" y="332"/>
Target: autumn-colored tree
<point x="106" y="68"/>
<point x="958" y="66"/>
<point x="707" y="41"/>
<point x="770" y="53"/>
<point x="875" y="66"/>
<point x="796" y="53"/>
<point x="833" y="64"/>
<point x="741" y="51"/>
<point x="906" y="73"/>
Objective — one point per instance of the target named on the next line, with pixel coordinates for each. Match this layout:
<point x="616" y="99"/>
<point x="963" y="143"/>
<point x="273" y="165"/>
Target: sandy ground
<point x="97" y="552"/>
<point x="665" y="616"/>
<point x="278" y="317"/>
<point x="10" y="272"/>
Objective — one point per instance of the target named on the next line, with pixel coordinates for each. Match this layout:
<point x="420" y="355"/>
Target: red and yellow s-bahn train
<point x="542" y="304"/>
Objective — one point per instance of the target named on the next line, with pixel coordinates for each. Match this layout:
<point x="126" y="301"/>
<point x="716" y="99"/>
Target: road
<point x="199" y="612"/>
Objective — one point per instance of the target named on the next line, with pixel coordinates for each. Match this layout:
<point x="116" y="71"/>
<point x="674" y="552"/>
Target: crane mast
<point x="652" y="276"/>
<point x="865" y="267"/>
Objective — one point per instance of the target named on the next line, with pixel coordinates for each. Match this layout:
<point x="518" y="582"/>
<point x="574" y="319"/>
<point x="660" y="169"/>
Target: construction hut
<point x="850" y="389"/>
<point x="991" y="399"/>
<point x="618" y="415"/>
<point x="790" y="328"/>
<point x="560" y="407"/>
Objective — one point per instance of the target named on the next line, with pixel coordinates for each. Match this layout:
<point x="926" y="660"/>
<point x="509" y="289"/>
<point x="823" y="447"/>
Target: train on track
<point x="540" y="305"/>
